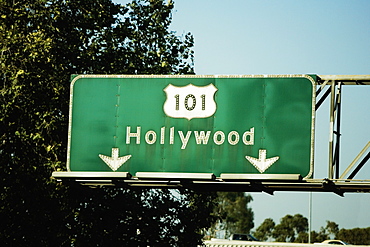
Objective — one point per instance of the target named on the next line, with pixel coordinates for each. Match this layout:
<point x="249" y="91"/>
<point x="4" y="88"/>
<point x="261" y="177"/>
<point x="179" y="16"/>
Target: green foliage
<point x="359" y="236"/>
<point x="295" y="229"/>
<point x="318" y="237"/>
<point x="264" y="231"/>
<point x="233" y="214"/>
<point x="289" y="228"/>
<point x="43" y="42"/>
<point x="327" y="232"/>
<point x="141" y="217"/>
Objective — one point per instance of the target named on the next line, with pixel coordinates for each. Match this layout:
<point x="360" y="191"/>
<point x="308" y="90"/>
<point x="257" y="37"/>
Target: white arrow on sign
<point x="114" y="162"/>
<point x="262" y="163"/>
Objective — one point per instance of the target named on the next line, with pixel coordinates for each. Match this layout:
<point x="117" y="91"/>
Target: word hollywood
<point x="201" y="137"/>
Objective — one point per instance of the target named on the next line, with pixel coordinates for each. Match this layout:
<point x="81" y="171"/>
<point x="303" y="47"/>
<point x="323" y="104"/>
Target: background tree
<point x="32" y="124"/>
<point x="291" y="228"/>
<point x="331" y="228"/>
<point x="327" y="232"/>
<point x="318" y="237"/>
<point x="294" y="229"/>
<point x="110" y="216"/>
<point x="359" y="236"/>
<point x="233" y="213"/>
<point x="43" y="42"/>
<point x="264" y="231"/>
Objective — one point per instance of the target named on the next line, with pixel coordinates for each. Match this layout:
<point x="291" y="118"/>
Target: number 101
<point x="193" y="102"/>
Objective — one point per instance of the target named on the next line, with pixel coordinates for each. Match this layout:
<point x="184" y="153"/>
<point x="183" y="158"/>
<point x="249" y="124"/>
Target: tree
<point x="327" y="232"/>
<point x="291" y="228"/>
<point x="264" y="231"/>
<point x="294" y="229"/>
<point x="233" y="213"/>
<point x="42" y="43"/>
<point x="332" y="228"/>
<point x="32" y="121"/>
<point x="354" y="236"/>
<point x="317" y="237"/>
<point x="109" y="217"/>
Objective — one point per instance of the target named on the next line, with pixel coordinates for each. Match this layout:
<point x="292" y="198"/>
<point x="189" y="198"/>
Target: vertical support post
<point x="331" y="130"/>
<point x="309" y="217"/>
<point x="337" y="144"/>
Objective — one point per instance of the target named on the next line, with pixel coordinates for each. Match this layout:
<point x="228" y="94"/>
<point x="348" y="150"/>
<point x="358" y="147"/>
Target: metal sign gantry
<point x="335" y="83"/>
<point x="326" y="85"/>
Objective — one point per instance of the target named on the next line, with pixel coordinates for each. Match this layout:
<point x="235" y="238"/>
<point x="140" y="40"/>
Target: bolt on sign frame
<point x="249" y="132"/>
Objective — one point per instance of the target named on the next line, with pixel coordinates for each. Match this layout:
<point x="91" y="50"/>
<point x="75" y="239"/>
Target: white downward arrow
<point x="262" y="163"/>
<point x="114" y="162"/>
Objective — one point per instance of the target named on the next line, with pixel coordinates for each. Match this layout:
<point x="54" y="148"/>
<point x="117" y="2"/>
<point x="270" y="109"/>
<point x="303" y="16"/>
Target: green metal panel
<point x="256" y="115"/>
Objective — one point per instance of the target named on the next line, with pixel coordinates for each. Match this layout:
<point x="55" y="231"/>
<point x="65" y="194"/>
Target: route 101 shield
<point x="190" y="101"/>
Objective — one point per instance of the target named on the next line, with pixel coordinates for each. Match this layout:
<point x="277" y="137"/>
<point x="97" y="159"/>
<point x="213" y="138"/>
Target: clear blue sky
<point x="330" y="37"/>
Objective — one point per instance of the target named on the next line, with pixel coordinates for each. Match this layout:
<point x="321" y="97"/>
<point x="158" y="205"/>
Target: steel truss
<point x="326" y="85"/>
<point x="335" y="83"/>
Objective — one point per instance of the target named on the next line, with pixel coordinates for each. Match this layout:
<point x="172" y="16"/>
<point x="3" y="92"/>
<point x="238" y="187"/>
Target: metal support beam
<point x="358" y="168"/>
<point x="348" y="79"/>
<point x="335" y="121"/>
<point x="331" y="130"/>
<point x="202" y="182"/>
<point x="337" y="132"/>
<point x="323" y="98"/>
<point x="321" y="88"/>
<point x="355" y="161"/>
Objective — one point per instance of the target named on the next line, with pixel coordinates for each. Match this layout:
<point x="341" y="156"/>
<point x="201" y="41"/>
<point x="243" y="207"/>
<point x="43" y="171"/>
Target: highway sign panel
<point x="192" y="124"/>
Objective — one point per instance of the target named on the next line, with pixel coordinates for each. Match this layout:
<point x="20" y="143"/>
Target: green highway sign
<point x="192" y="124"/>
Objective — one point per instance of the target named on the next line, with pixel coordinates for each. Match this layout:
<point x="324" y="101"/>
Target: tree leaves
<point x="233" y="214"/>
<point x="295" y="229"/>
<point x="42" y="43"/>
<point x="290" y="227"/>
<point x="360" y="236"/>
<point x="264" y="231"/>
